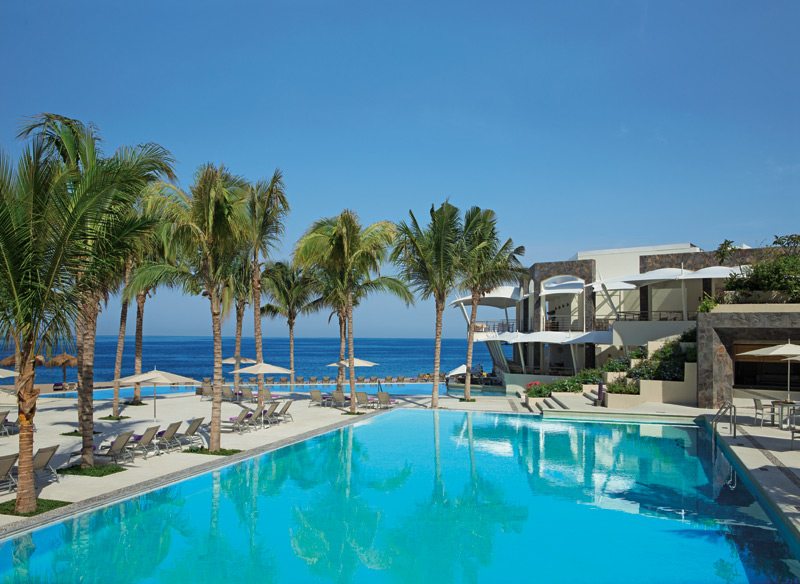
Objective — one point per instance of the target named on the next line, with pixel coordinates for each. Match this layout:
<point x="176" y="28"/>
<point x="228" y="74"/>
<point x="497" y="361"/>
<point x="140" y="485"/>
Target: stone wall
<point x="584" y="269"/>
<point x="699" y="260"/>
<point x="718" y="331"/>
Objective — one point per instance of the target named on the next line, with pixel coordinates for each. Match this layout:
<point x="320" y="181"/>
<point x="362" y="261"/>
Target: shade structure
<point x="242" y="360"/>
<point x="713" y="272"/>
<point x="7" y="373"/>
<point x="63" y="360"/>
<point x="156" y="377"/>
<point x="500" y="297"/>
<point x="460" y="370"/>
<point x="12" y="360"/>
<point x="356" y="363"/>
<point x="263" y="369"/>
<point x="785" y="350"/>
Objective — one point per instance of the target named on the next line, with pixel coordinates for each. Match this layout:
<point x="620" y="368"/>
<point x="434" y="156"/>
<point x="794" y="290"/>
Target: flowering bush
<point x="537" y="389"/>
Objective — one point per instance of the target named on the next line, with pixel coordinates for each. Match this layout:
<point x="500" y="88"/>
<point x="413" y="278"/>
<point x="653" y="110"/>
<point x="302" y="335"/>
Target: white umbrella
<point x="157" y="377"/>
<point x="263" y="369"/>
<point x="785" y="350"/>
<point x="356" y="363"/>
<point x="7" y="373"/>
<point x="232" y="360"/>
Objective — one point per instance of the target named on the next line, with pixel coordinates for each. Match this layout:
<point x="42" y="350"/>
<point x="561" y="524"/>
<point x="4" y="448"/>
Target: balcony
<point x="655" y="315"/>
<point x="563" y="323"/>
<point x="495" y="326"/>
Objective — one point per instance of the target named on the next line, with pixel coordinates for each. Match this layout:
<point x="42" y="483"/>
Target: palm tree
<point x="267" y="207"/>
<point x="354" y="253"/>
<point x="292" y="290"/>
<point x="428" y="259"/>
<point x="485" y="264"/>
<point x="207" y="227"/>
<point x="237" y="294"/>
<point x="110" y="241"/>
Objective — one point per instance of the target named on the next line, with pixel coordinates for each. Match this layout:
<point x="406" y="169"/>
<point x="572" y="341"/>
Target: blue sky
<point x="583" y="124"/>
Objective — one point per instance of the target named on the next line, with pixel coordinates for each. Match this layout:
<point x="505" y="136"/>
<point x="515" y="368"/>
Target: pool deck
<point x="764" y="453"/>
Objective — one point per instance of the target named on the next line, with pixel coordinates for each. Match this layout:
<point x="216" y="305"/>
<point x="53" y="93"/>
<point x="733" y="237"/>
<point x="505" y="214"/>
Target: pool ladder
<point x="726" y="408"/>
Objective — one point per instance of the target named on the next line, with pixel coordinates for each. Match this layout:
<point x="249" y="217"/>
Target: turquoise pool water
<point x="421" y="496"/>
<point x="370" y="388"/>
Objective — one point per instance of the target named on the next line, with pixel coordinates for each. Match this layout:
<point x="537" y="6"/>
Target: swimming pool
<point x="371" y="388"/>
<point x="421" y="496"/>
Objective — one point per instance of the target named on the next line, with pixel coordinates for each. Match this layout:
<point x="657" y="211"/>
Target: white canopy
<point x="242" y="360"/>
<point x="611" y="285"/>
<point x="460" y="370"/>
<point x="712" y="272"/>
<point x="7" y="373"/>
<point x="500" y="297"/>
<point x="592" y="337"/>
<point x="558" y="337"/>
<point x="356" y="363"/>
<point x="263" y="369"/>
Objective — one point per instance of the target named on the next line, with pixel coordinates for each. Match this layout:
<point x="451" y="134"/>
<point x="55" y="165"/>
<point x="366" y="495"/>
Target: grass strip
<point x="42" y="506"/>
<point x="220" y="452"/>
<point x="92" y="471"/>
<point x="113" y="418"/>
<point x="76" y="433"/>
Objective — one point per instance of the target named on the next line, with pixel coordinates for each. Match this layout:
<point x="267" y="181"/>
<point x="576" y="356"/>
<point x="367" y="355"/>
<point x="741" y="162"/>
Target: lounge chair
<point x="269" y="415"/>
<point x="338" y="398"/>
<point x="227" y="393"/>
<point x="167" y="439"/>
<point x="58" y="386"/>
<point x="3" y="429"/>
<point x="326" y="379"/>
<point x="313" y="379"/>
<point x="401" y="379"/>
<point x="191" y="437"/>
<point x="284" y="414"/>
<point x="363" y="400"/>
<point x="256" y="417"/>
<point x="317" y="399"/>
<point x="394" y="379"/>
<point x="238" y="423"/>
<point x="117" y="450"/>
<point x="283" y="380"/>
<point x="384" y="400"/>
<point x="761" y="410"/>
<point x="268" y="396"/>
<point x="41" y="461"/>
<point x="7" y="463"/>
<point x="247" y="394"/>
<point x="299" y="379"/>
<point x="269" y="381"/>
<point x="146" y="442"/>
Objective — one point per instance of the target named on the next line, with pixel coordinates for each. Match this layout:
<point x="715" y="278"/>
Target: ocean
<point x="193" y="356"/>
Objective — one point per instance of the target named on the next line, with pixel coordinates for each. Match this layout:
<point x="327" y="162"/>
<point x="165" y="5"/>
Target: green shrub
<point x="689" y="336"/>
<point x="623" y="386"/>
<point x="617" y="364"/>
<point x="707" y="304"/>
<point x="691" y="355"/>
<point x="639" y="353"/>
<point x="666" y="364"/>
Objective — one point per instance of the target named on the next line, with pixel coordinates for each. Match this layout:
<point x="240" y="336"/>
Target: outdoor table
<point x="781" y="406"/>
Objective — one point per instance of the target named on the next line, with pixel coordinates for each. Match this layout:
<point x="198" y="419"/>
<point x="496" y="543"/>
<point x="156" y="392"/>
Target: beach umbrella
<point x="156" y="377"/>
<point x="785" y="350"/>
<point x="63" y="360"/>
<point x="7" y="373"/>
<point x="232" y="360"/>
<point x="356" y="363"/>
<point x="11" y="360"/>
<point x="263" y="369"/>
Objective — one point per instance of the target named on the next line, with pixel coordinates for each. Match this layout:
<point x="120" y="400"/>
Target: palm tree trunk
<point x="290" y="322"/>
<point x="216" y="400"/>
<point x="352" y="356"/>
<point x="341" y="315"/>
<point x="90" y="310"/>
<point x="79" y="351"/>
<point x="470" y="342"/>
<point x="141" y="298"/>
<point x="257" y="323"/>
<point x="437" y="354"/>
<point x="237" y="351"/>
<point x="64" y="374"/>
<point x="26" y="410"/>
<point x="123" y="323"/>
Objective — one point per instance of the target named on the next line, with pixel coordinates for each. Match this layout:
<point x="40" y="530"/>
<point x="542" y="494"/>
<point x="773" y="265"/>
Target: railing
<point x="495" y="326"/>
<point x="651" y="315"/>
<point x="562" y="323"/>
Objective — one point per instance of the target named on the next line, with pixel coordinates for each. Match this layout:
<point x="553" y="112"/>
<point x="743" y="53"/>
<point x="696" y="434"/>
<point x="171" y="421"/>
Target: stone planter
<point x="611" y="376"/>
